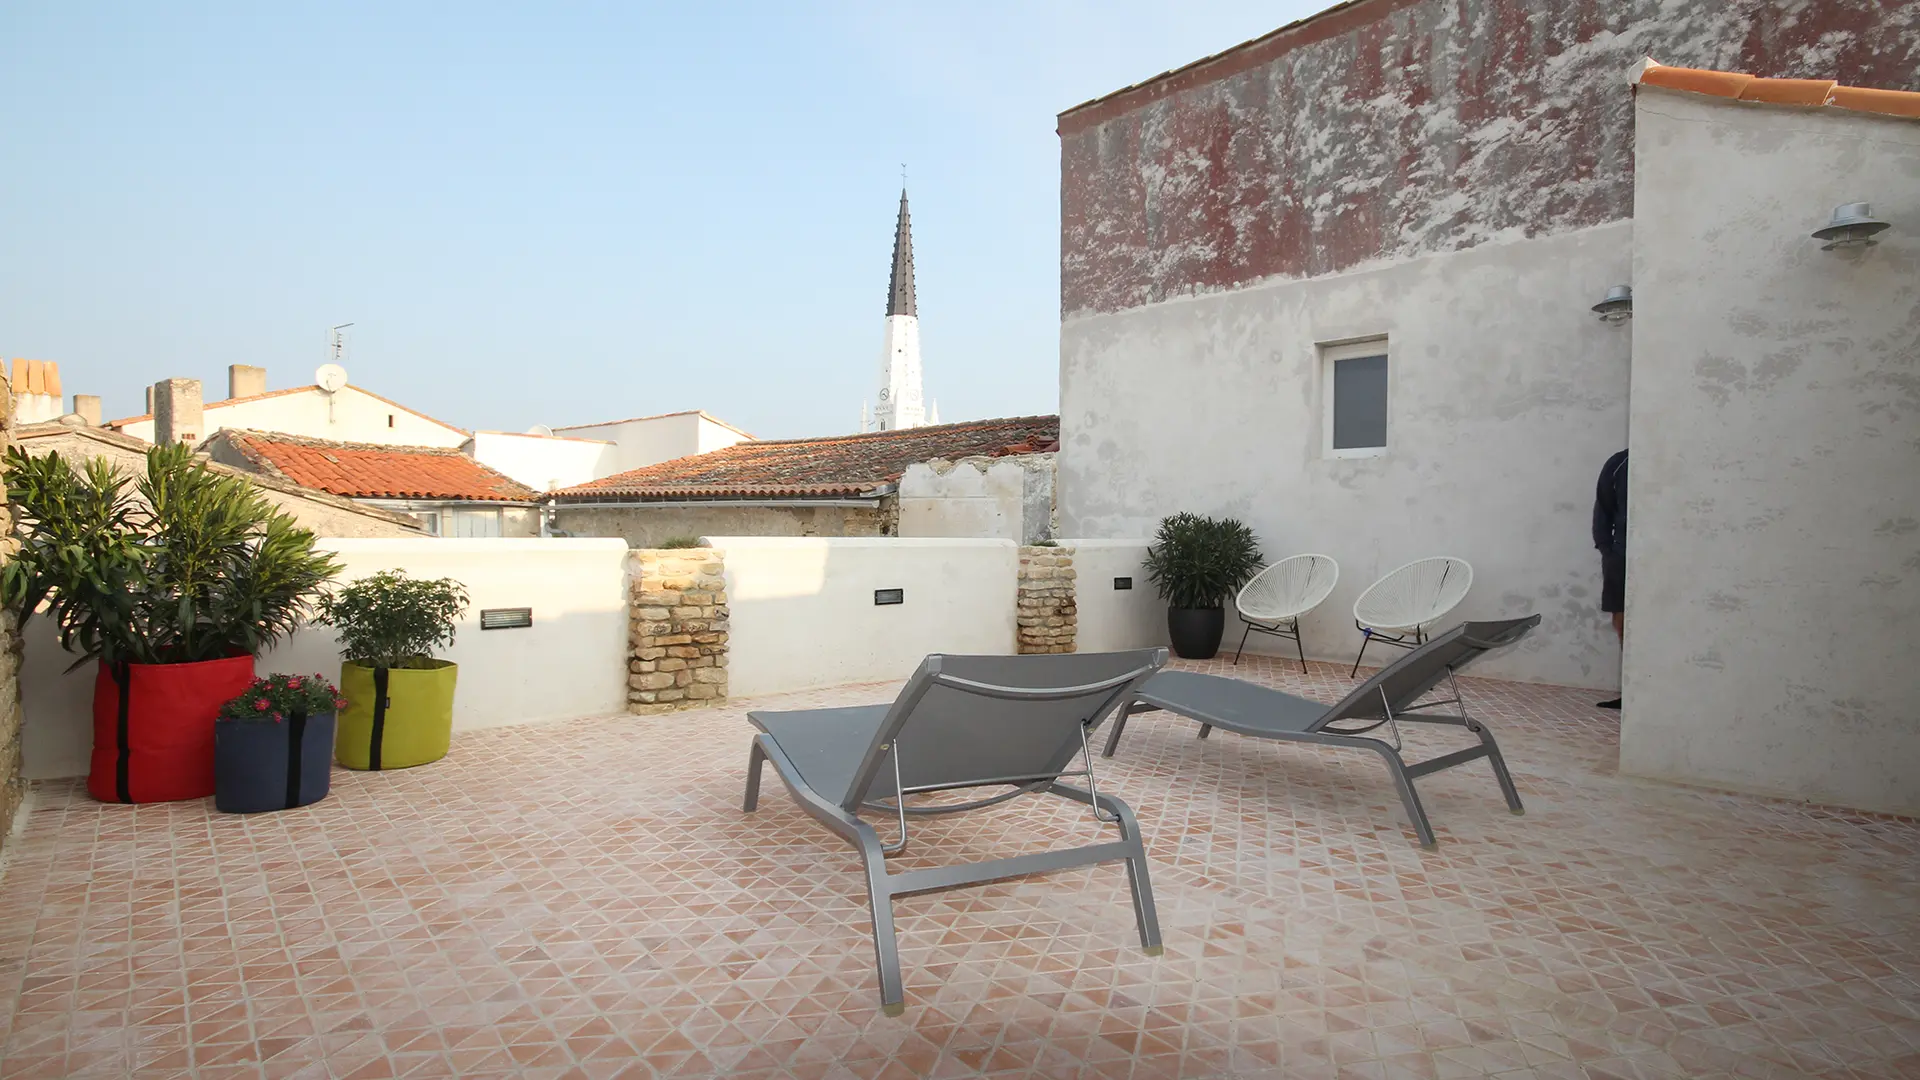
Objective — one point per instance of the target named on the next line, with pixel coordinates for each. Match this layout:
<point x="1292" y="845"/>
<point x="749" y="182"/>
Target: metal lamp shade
<point x="1853" y="225"/>
<point x="1617" y="306"/>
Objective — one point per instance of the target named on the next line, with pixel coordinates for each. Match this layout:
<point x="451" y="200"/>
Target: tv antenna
<point x="330" y="377"/>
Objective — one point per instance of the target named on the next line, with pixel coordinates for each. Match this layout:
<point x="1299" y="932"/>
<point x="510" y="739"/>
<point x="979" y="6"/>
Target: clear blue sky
<point x="557" y="213"/>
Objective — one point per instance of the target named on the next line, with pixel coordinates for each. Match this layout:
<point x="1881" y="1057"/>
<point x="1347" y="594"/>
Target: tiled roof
<point x="368" y="471"/>
<point x="212" y="405"/>
<point x="1811" y="93"/>
<point x="35" y="376"/>
<point x="843" y="465"/>
<point x="30" y="436"/>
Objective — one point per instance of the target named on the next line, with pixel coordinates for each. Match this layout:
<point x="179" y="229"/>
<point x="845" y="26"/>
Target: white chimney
<point x="245" y="380"/>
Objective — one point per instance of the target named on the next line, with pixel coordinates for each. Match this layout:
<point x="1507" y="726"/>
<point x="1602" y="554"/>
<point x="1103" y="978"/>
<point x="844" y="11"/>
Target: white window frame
<point x="1331" y="354"/>
<point x="468" y="513"/>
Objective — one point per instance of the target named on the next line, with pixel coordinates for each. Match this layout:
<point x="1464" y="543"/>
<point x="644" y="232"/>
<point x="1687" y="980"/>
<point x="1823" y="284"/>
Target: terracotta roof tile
<point x="35" y="376"/>
<point x="367" y="471"/>
<point x="1812" y="93"/>
<point x="839" y="466"/>
<point x="1866" y="99"/>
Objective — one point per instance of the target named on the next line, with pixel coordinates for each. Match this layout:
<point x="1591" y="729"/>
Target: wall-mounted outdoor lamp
<point x="507" y="618"/>
<point x="1618" y="306"/>
<point x="1853" y="226"/>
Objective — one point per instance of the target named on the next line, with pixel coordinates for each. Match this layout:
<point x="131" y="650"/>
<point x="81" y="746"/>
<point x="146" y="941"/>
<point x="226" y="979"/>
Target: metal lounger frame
<point x="883" y="886"/>
<point x="1414" y="711"/>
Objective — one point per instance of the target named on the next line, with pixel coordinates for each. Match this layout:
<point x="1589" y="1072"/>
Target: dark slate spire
<point x="900" y="287"/>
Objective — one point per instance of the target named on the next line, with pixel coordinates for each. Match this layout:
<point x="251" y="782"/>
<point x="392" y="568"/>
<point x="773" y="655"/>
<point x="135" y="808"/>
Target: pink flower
<point x="294" y="682"/>
<point x="277" y="718"/>
<point x="260" y="704"/>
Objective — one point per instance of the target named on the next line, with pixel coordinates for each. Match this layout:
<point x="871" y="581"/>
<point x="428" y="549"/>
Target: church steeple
<point x="900" y="287"/>
<point x="901" y="404"/>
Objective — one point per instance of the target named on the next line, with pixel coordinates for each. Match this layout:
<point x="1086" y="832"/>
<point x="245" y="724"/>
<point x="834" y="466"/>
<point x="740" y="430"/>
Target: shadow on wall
<point x="570" y="663"/>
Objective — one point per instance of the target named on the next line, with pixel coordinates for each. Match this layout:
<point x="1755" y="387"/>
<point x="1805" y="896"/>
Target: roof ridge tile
<point x="1807" y="93"/>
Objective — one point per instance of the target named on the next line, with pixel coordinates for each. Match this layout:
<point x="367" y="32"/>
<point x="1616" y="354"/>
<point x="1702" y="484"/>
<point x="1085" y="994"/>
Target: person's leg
<point x="1613" y="590"/>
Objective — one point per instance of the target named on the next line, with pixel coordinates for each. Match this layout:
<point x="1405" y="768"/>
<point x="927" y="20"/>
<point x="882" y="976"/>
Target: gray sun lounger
<point x="961" y="722"/>
<point x="1392" y="695"/>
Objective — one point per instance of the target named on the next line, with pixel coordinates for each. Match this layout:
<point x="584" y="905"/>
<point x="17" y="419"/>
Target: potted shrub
<point x="172" y="583"/>
<point x="399" y="710"/>
<point x="273" y="744"/>
<point x="1198" y="563"/>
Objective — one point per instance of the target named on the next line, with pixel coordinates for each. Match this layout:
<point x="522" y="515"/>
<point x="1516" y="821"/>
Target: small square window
<point x="1354" y="380"/>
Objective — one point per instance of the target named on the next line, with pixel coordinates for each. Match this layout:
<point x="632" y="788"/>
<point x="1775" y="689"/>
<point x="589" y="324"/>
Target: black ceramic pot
<point x="1195" y="632"/>
<point x="260" y="765"/>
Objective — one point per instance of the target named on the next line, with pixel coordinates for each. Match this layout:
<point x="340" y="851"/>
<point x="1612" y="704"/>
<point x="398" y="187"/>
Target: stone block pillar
<point x="1048" y="618"/>
<point x="11" y="787"/>
<point x="677" y="630"/>
<point x="177" y="413"/>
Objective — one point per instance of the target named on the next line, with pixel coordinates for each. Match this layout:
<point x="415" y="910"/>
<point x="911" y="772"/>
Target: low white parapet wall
<point x="571" y="662"/>
<point x="1119" y="608"/>
<point x="803" y="611"/>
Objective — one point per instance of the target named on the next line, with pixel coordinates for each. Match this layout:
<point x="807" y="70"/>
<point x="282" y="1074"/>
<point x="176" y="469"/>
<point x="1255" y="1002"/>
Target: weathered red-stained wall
<point x="1394" y="128"/>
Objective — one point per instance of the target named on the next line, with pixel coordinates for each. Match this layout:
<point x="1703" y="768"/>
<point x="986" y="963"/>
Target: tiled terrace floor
<point x="586" y="899"/>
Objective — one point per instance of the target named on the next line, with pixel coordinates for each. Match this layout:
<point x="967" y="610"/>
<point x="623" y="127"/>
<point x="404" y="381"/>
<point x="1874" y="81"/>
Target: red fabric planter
<point x="153" y="733"/>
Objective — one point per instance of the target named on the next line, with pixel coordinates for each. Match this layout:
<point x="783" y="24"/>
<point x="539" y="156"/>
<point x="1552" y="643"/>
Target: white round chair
<point x="1274" y="600"/>
<point x="1400" y="607"/>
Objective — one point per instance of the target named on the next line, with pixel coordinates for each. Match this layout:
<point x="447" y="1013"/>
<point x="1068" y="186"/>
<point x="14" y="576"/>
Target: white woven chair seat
<point x="1416" y="595"/>
<point x="1288" y="589"/>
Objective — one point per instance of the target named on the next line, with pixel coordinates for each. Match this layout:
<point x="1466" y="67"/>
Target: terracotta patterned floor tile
<point x="585" y="901"/>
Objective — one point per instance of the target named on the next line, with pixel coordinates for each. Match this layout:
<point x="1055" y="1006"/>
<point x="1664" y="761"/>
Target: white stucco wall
<point x="713" y="435"/>
<point x="649" y="440"/>
<point x="1774" y="520"/>
<point x="571" y="662"/>
<point x="1506" y="396"/>
<point x="37" y="408"/>
<point x="356" y="416"/>
<point x="1008" y="498"/>
<point x="801" y="610"/>
<point x="543" y="462"/>
<point x="1113" y="619"/>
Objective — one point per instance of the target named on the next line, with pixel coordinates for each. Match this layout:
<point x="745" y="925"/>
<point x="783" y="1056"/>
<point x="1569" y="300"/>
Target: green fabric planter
<point x="410" y="724"/>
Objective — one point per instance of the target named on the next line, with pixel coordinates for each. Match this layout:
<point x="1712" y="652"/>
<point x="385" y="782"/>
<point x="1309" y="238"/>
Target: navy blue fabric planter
<point x="260" y="765"/>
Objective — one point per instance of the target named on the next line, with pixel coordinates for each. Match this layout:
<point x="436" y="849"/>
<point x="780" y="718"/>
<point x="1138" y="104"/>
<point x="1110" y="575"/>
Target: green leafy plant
<point x="1199" y="562"/>
<point x="673" y="543"/>
<point x="389" y="620"/>
<point x="180" y="565"/>
<point x="276" y="697"/>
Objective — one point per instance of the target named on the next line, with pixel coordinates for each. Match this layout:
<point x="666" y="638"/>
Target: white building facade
<point x="346" y="414"/>
<point x="1348" y="299"/>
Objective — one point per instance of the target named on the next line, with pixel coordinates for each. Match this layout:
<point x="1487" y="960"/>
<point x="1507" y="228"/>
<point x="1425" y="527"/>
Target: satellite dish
<point x="540" y="429"/>
<point x="330" y="377"/>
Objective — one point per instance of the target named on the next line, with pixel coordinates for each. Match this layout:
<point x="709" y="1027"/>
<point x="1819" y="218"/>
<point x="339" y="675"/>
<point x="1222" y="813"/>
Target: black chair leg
<point x="1366" y="637"/>
<point x="1243" y="643"/>
<point x="1300" y="647"/>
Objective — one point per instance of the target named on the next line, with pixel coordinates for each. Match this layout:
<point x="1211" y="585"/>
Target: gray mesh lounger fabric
<point x="961" y="722"/>
<point x="1394" y="693"/>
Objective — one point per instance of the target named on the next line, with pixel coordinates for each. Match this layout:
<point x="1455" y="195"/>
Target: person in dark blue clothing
<point x="1610" y="536"/>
